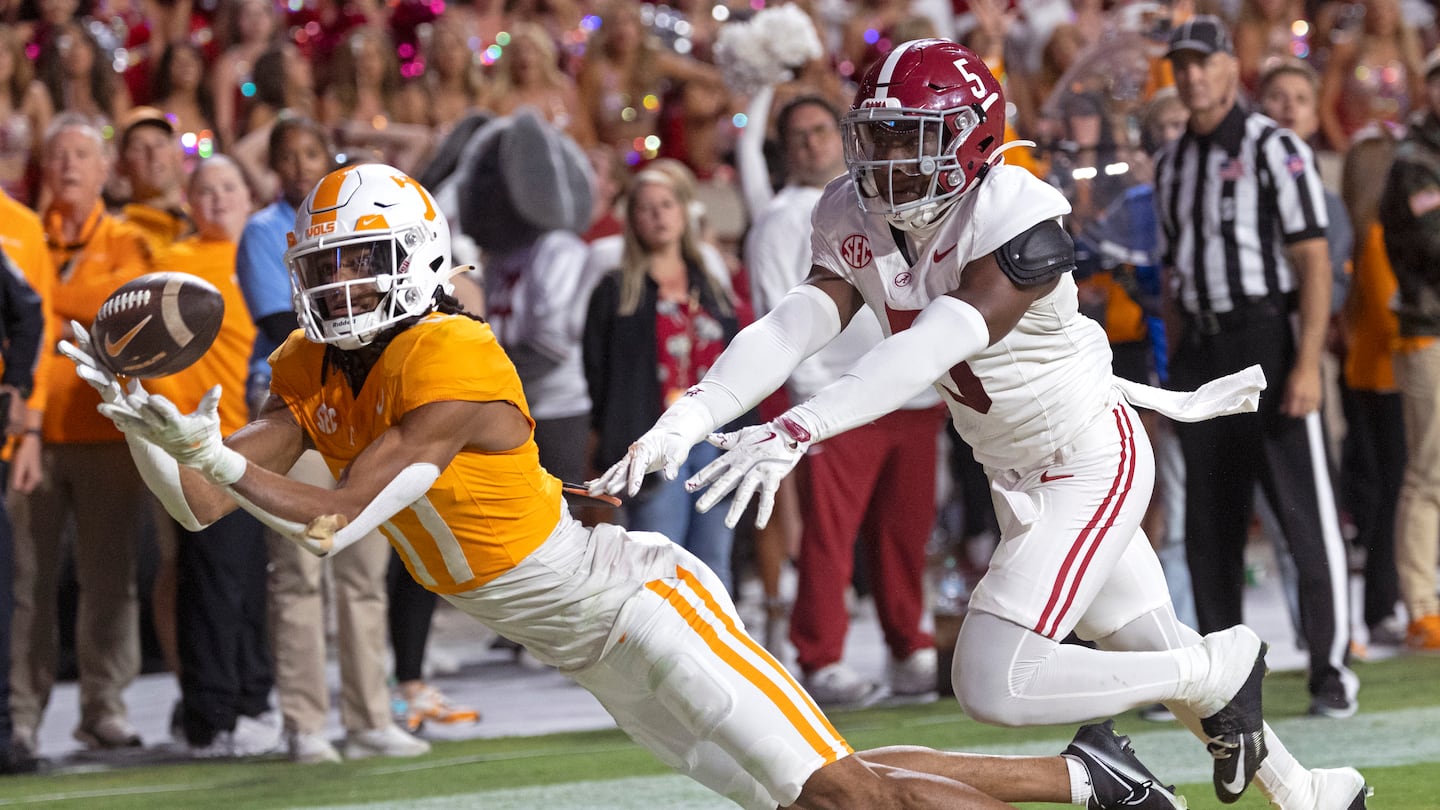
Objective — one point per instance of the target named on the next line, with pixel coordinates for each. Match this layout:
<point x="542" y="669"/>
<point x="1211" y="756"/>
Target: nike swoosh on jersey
<point x="1046" y="477"/>
<point x="1236" y="785"/>
<point x="114" y="347"/>
<point x="938" y="255"/>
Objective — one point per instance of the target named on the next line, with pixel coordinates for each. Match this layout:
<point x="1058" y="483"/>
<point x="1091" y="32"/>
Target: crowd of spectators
<point x="113" y="115"/>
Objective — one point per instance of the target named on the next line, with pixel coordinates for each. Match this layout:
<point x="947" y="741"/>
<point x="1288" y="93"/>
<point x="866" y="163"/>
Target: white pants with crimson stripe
<point x="650" y="631"/>
<point x="1072" y="556"/>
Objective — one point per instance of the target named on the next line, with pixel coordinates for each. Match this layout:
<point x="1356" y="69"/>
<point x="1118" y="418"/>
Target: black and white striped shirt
<point x="1229" y="203"/>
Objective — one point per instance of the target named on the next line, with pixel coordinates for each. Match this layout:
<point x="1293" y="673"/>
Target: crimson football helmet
<point x="926" y="123"/>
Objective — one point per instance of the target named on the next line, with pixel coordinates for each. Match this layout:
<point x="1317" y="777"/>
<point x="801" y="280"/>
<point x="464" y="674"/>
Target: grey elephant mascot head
<point x="515" y="179"/>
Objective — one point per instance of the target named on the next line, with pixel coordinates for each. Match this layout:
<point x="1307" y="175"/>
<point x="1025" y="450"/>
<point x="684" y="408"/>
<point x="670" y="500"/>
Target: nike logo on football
<point x="115" y="347"/>
<point x="939" y="255"/>
<point x="1046" y="477"/>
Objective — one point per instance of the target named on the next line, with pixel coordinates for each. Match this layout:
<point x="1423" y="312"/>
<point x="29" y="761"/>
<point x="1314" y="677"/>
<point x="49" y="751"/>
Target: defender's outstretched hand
<point x="663" y="447"/>
<point x="757" y="458"/>
<point x="192" y="439"/>
<point x="115" y="403"/>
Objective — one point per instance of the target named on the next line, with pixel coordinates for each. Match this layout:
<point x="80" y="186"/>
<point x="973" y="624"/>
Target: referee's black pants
<point x="225" y="664"/>
<point x="1226" y="456"/>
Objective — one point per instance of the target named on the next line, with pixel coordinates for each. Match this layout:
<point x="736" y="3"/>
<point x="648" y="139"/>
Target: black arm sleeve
<point x="1038" y="255"/>
<point x="24" y="327"/>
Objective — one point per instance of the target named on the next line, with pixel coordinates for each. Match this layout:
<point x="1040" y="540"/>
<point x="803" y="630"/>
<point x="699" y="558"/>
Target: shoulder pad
<point x="1038" y="255"/>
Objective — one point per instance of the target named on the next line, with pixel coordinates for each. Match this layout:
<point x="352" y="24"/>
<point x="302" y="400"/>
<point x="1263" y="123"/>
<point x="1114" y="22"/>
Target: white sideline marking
<point x="1398" y="737"/>
<point x="100" y="794"/>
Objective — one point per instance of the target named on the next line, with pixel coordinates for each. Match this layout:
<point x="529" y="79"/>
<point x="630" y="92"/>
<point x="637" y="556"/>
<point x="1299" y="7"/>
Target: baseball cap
<point x="141" y="117"/>
<point x="1203" y="33"/>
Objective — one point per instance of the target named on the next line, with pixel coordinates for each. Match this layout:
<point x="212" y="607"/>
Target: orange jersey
<point x="107" y="254"/>
<point x="23" y="240"/>
<point x="227" y="362"/>
<point x="487" y="511"/>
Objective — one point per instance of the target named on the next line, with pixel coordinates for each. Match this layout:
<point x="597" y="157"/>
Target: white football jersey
<point x="1031" y="393"/>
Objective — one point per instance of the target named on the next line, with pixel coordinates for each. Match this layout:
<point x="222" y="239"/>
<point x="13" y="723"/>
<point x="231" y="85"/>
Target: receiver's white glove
<point x="192" y="439"/>
<point x="114" y="400"/>
<point x="663" y="447"/>
<point x="757" y="458"/>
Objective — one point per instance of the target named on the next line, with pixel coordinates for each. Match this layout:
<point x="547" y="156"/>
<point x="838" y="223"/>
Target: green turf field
<point x="1395" y="740"/>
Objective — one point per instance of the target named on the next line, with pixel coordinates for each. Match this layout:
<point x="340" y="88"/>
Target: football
<point x="157" y="324"/>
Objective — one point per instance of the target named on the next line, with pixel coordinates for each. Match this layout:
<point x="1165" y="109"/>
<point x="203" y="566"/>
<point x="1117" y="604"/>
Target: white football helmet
<point x="370" y="249"/>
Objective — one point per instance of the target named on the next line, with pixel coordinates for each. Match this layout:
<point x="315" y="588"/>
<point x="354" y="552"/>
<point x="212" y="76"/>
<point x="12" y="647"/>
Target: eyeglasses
<point x="799" y="136"/>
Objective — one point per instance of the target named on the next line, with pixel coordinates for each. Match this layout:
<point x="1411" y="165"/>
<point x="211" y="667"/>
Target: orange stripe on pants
<point x="812" y="734"/>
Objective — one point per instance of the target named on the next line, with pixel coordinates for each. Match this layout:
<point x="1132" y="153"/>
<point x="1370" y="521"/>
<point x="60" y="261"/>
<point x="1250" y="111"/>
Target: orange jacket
<point x="1374" y="331"/>
<point x="23" y="240"/>
<point x="108" y="253"/>
<point x="162" y="228"/>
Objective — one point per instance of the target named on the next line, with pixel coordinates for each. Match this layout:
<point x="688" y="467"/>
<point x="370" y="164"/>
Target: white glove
<point x="191" y="439"/>
<point x="115" y="401"/>
<point x="664" y="446"/>
<point x="756" y="458"/>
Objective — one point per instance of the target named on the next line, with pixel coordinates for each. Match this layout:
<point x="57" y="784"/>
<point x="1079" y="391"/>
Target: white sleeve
<point x="750" y="152"/>
<point x="947" y="332"/>
<point x="556" y="280"/>
<point x="761" y="357"/>
<point x="404" y="489"/>
<point x="161" y="473"/>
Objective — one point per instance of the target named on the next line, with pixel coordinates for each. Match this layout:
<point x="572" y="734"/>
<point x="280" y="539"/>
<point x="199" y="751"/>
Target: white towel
<point x="1231" y="394"/>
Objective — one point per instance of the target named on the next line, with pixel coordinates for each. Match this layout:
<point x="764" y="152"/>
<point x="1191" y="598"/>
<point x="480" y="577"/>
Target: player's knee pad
<point x="993" y="669"/>
<point x="687" y="688"/>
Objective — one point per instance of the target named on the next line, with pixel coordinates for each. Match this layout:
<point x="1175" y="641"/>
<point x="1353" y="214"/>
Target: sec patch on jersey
<point x="157" y="324"/>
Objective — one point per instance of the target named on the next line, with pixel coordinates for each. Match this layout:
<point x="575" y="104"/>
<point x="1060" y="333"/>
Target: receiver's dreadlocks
<point x="356" y="363"/>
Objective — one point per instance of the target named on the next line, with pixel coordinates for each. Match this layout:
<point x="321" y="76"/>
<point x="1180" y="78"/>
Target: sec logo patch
<point x="855" y="250"/>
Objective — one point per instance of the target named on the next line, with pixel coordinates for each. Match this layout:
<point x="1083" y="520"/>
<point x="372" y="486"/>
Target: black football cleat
<point x="1237" y="735"/>
<point x="1118" y="779"/>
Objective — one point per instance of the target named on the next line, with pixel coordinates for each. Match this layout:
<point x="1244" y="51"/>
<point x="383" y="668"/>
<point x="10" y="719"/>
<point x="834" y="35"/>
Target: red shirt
<point x="688" y="339"/>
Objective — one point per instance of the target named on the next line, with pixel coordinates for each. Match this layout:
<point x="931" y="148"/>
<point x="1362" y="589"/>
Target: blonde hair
<point x="343" y="76"/>
<point x="635" y="257"/>
<point x="546" y="54"/>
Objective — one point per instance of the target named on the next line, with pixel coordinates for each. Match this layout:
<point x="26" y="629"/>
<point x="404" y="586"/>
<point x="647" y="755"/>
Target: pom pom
<point x="767" y="48"/>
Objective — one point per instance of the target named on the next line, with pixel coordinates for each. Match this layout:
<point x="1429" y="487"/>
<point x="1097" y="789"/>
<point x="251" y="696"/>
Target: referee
<point x="1242" y="220"/>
